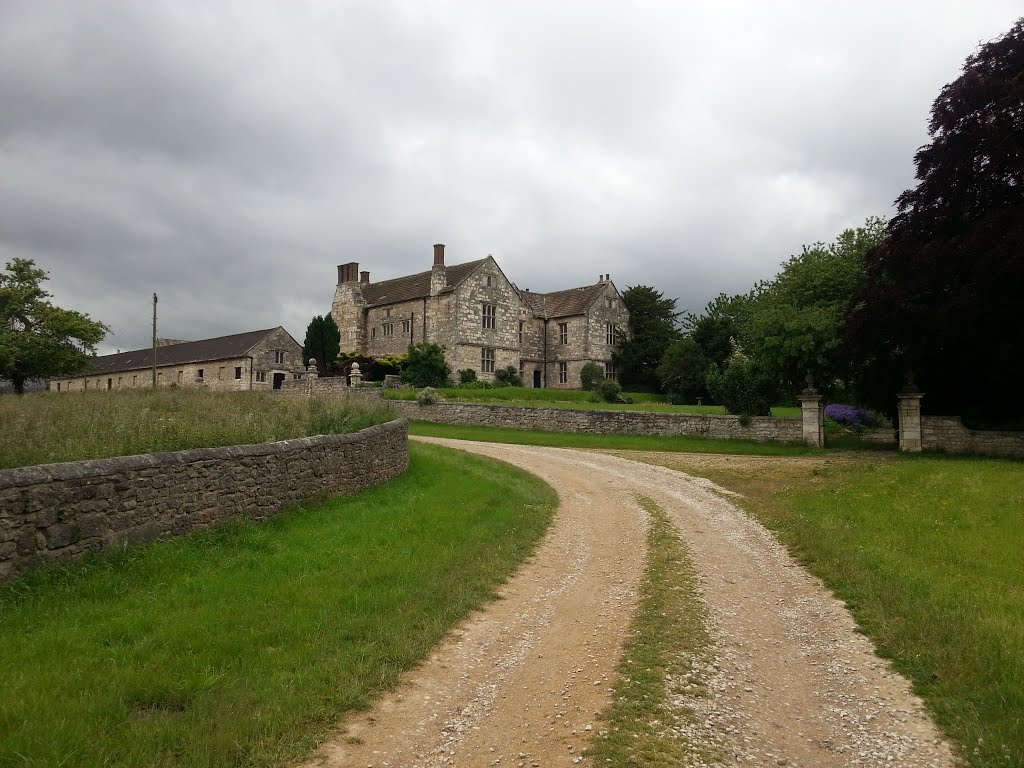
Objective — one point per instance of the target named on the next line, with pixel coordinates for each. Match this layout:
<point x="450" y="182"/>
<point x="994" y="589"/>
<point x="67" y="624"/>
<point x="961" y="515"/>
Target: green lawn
<point x="48" y="428"/>
<point x="615" y="442"/>
<point x="243" y="646"/>
<point x="927" y="553"/>
<point x="572" y="398"/>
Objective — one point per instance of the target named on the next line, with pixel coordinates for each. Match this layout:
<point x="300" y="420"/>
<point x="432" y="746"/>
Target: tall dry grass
<point x="48" y="428"/>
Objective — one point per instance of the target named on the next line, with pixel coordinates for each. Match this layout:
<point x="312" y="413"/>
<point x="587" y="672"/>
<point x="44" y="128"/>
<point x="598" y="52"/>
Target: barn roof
<point x="219" y="348"/>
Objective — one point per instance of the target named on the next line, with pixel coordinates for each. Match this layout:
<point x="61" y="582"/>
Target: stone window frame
<point x="387" y="329"/>
<point x="181" y="377"/>
<point x="563" y="334"/>
<point x="521" y="325"/>
<point x="238" y="373"/>
<point x="563" y="373"/>
<point x="489" y="317"/>
<point x="406" y="327"/>
<point x="278" y="357"/>
<point x="609" y="370"/>
<point x="489" y="281"/>
<point x="609" y="334"/>
<point x="487" y="359"/>
<point x="261" y="376"/>
<point x="373" y="332"/>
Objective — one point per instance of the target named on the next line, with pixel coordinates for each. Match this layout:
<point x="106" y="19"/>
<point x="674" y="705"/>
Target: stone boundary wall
<point x="760" y="428"/>
<point x="333" y="385"/>
<point x="947" y="433"/>
<point x="57" y="512"/>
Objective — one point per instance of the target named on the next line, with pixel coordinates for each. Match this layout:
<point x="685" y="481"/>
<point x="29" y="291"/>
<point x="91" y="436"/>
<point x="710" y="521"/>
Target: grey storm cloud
<point x="228" y="155"/>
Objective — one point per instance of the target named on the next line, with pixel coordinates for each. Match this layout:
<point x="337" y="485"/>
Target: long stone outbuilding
<point x="261" y="359"/>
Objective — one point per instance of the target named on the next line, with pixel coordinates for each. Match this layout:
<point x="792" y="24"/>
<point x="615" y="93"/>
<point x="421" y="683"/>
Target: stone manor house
<point x="484" y="320"/>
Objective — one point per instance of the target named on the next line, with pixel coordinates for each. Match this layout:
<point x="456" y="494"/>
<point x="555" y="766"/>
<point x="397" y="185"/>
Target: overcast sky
<point x="228" y="155"/>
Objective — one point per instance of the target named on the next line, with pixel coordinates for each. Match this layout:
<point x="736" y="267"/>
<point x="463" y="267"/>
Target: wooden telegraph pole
<point x="154" y="341"/>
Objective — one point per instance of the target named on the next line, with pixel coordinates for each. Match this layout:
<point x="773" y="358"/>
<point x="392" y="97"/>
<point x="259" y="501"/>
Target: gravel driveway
<point x="521" y="682"/>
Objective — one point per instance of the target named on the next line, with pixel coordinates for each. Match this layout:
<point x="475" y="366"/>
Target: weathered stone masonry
<point x="761" y="428"/>
<point x="57" y="512"/>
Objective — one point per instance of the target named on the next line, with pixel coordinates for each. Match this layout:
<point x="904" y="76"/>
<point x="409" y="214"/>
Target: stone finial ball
<point x="312" y="361"/>
<point x="355" y="367"/>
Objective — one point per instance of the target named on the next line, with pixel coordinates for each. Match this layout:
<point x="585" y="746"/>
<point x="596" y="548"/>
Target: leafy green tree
<point x="724" y="322"/>
<point x="942" y="292"/>
<point x="795" y="321"/>
<point x="37" y="339"/>
<point x="323" y="342"/>
<point x="591" y="375"/>
<point x="742" y="386"/>
<point x="653" y="326"/>
<point x="683" y="371"/>
<point x="425" y="366"/>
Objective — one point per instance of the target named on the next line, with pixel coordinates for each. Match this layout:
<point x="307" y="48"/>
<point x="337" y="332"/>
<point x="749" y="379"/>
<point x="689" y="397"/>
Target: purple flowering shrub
<point x="850" y="416"/>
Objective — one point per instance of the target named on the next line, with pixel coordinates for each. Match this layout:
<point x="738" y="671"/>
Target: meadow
<point x="47" y="428"/>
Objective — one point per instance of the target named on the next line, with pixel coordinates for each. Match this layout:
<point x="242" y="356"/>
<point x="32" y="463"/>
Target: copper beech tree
<point x="942" y="292"/>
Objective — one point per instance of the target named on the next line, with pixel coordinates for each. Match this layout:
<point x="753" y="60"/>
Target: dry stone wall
<point x="947" y="433"/>
<point x="58" y="512"/>
<point x="761" y="428"/>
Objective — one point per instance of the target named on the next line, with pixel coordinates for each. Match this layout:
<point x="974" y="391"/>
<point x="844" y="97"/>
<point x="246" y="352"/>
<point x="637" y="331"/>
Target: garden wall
<point x="57" y="512"/>
<point x="947" y="433"/>
<point x="761" y="428"/>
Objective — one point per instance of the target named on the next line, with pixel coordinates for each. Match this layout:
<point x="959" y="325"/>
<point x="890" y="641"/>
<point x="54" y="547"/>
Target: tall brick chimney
<point x="348" y="273"/>
<point x="438" y="278"/>
<point x="364" y="277"/>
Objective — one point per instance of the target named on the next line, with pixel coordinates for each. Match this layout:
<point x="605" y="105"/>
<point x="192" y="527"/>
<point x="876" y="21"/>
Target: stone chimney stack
<point x="364" y="277"/>
<point x="438" y="278"/>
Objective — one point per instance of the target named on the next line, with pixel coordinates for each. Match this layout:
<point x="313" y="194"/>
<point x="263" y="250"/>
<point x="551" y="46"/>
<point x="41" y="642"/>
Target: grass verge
<point x="614" y="442"/>
<point x="573" y="398"/>
<point x="926" y="552"/>
<point x="48" y="428"/>
<point x="663" y="657"/>
<point x="243" y="646"/>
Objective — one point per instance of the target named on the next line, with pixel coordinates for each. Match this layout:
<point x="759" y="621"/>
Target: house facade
<point x="484" y="321"/>
<point x="242" y="361"/>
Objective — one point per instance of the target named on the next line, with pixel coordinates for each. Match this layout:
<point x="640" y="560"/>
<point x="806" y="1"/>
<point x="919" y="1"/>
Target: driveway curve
<point x="521" y="682"/>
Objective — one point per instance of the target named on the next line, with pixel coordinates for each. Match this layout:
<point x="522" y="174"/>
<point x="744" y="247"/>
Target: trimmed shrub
<point x="427" y="396"/>
<point x="609" y="390"/>
<point x="591" y="376"/>
<point x="467" y="376"/>
<point x="507" y="377"/>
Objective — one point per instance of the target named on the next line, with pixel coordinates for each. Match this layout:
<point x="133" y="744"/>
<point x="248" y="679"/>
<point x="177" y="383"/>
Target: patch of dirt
<point x="520" y="683"/>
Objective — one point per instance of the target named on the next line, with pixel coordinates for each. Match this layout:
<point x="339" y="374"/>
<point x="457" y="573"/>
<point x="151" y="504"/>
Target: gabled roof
<point x="574" y="301"/>
<point x="414" y="286"/>
<point x="235" y="345"/>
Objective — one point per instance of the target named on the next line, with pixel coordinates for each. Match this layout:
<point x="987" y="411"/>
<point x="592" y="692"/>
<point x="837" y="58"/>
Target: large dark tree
<point x="322" y="342"/>
<point x="652" y="328"/>
<point x="37" y="339"/>
<point x="942" y="292"/>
